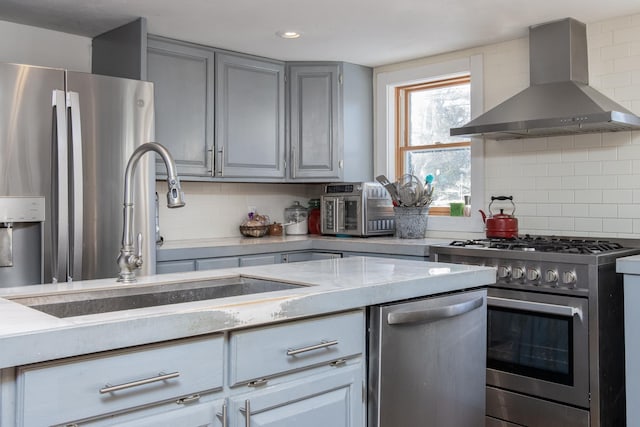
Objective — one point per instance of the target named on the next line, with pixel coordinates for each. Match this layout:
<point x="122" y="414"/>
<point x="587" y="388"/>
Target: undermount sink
<point x="83" y="303"/>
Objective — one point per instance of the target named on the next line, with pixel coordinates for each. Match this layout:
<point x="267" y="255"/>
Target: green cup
<point x="456" y="209"/>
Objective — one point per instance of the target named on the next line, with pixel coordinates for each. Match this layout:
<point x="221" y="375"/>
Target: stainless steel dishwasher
<point x="427" y="362"/>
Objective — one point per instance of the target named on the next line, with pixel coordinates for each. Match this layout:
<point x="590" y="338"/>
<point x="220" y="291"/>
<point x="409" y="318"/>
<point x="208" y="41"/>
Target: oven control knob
<point x="569" y="278"/>
<point x="504" y="272"/>
<point x="533" y="274"/>
<point x="551" y="276"/>
<point x="518" y="273"/>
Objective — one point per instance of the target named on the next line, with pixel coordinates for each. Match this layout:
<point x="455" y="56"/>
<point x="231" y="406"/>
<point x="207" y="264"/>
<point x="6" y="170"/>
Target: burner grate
<point x="544" y="244"/>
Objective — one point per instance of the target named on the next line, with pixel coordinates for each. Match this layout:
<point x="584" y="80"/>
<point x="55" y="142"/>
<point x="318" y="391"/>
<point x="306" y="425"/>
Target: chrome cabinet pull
<point x="188" y="399"/>
<point x="247" y="413"/>
<point x="434" y="314"/>
<point x="258" y="383"/>
<point x="161" y="377"/>
<point x="323" y="344"/>
<point x="221" y="161"/>
<point x="223" y="415"/>
<point x="339" y="362"/>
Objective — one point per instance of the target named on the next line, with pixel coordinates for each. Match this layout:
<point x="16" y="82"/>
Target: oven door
<point x="538" y="344"/>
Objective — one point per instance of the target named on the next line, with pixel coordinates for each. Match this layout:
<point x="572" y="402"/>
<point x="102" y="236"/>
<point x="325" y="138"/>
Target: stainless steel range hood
<point x="559" y="100"/>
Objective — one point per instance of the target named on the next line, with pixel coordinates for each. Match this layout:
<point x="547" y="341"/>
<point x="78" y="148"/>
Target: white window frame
<point x="384" y="138"/>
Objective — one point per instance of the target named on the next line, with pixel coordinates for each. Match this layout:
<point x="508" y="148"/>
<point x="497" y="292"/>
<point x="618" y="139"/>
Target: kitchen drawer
<point x="262" y="352"/>
<point x="74" y="388"/>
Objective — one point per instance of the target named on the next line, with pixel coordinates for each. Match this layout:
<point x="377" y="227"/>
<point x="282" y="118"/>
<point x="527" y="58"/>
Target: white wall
<point x="215" y="210"/>
<point x="586" y="185"/>
<point x="22" y="44"/>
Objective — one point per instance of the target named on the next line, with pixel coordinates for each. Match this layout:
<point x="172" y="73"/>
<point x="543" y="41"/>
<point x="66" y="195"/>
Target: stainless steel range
<point x="555" y="331"/>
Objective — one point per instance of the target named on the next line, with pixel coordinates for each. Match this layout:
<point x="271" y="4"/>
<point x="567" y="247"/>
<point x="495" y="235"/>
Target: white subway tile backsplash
<point x="619" y="225"/>
<point x="560" y="142"/>
<point x="587" y="168"/>
<point x="548" y="182"/>
<point x="610" y="81"/>
<point x="575" y="155"/>
<point x="533" y="224"/>
<point x="534" y="170"/>
<point x="561" y="169"/>
<point x="618" y="167"/>
<point x="623" y="36"/>
<point x="549" y="209"/>
<point x="574" y="183"/>
<point x="617" y="196"/>
<point x="603" y="153"/>
<point x="561" y="224"/>
<point x="549" y="157"/>
<point x="589" y="196"/>
<point x="629" y="152"/>
<point x="574" y="209"/>
<point x="615" y="51"/>
<point x="627" y="94"/>
<point x="603" y="211"/>
<point x="603" y="182"/>
<point x="588" y="224"/>
<point x="561" y="196"/>
<point x="629" y="211"/>
<point x="616" y="139"/>
<point x="628" y="182"/>
<point x="627" y="63"/>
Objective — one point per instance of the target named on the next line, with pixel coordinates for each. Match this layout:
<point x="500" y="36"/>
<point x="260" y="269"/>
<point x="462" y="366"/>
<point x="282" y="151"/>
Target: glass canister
<point x="314" y="216"/>
<point x="296" y="219"/>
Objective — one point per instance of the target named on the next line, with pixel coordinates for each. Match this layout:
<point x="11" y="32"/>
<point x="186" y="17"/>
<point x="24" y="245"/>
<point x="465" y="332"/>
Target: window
<point x="424" y="114"/>
<point x="386" y="153"/>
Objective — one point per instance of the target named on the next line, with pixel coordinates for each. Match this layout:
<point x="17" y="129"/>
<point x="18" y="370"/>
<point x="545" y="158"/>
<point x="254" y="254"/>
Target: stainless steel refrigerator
<point x="65" y="138"/>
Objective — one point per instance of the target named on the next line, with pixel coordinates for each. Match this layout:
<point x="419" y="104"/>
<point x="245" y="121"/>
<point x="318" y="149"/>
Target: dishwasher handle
<point x="434" y="314"/>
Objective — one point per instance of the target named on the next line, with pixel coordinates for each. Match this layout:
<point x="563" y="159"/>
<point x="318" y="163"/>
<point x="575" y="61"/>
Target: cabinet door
<point x="198" y="415"/>
<point x="214" y="263"/>
<point x="164" y="267"/>
<point x="183" y="81"/>
<point x="249" y="117"/>
<point x="267" y="259"/>
<point x="316" y="121"/>
<point x="329" y="399"/>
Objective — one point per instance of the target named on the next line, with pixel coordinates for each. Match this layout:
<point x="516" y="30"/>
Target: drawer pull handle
<point x="188" y="399"/>
<point x="161" y="377"/>
<point x="323" y="344"/>
<point x="338" y="362"/>
<point x="223" y="415"/>
<point x="247" y="413"/>
<point x="258" y="383"/>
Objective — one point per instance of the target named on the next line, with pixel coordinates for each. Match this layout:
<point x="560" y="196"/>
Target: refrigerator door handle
<point x="59" y="190"/>
<point x="76" y="176"/>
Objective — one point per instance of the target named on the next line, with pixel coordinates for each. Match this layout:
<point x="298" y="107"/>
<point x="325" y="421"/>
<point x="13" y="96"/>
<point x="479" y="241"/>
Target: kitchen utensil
<point x="502" y="226"/>
<point x="391" y="189"/>
<point x="410" y="190"/>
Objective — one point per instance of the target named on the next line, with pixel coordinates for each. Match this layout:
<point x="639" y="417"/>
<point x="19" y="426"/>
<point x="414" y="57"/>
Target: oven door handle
<point x="434" y="314"/>
<point x="537" y="307"/>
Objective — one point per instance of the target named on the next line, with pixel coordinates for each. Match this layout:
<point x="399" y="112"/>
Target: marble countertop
<point x="235" y="246"/>
<point x="628" y="265"/>
<point x="332" y="285"/>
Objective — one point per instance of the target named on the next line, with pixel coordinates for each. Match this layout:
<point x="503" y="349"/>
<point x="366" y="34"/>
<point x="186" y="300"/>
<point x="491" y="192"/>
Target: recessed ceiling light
<point x="288" y="34"/>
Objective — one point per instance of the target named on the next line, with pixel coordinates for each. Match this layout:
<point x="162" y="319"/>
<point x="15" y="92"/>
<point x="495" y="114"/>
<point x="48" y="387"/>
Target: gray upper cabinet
<point x="249" y="118"/>
<point x="183" y="77"/>
<point x="330" y="122"/>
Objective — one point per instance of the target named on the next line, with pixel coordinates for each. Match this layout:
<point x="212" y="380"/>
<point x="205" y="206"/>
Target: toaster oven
<point x="356" y="209"/>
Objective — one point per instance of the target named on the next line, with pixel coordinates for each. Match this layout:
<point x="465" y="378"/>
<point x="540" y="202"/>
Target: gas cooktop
<point x="544" y="244"/>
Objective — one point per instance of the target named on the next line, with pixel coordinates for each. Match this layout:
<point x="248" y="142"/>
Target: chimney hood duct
<point x="559" y="100"/>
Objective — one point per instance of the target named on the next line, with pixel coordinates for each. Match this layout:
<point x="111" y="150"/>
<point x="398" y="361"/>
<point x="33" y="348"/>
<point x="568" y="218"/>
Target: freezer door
<point x="30" y="112"/>
<point x="116" y="116"/>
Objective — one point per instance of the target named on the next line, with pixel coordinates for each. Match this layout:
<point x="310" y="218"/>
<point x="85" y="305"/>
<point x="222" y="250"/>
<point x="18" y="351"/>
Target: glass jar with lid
<point x="296" y="219"/>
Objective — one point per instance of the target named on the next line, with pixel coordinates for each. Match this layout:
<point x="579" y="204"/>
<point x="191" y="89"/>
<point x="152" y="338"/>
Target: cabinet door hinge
<point x="340" y="78"/>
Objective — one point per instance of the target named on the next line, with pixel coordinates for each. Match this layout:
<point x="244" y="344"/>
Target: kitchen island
<point x="335" y="292"/>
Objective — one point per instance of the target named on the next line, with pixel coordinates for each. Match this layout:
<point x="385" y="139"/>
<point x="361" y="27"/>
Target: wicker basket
<point x="254" y="230"/>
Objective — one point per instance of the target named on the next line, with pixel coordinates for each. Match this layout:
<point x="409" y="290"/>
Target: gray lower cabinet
<point x="300" y="373"/>
<point x="330" y="121"/>
<point x="97" y="389"/>
<point x="184" y="265"/>
<point x="183" y="77"/>
<point x="332" y="398"/>
<point x="249" y="115"/>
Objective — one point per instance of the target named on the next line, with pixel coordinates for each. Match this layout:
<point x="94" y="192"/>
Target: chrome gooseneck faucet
<point x="129" y="260"/>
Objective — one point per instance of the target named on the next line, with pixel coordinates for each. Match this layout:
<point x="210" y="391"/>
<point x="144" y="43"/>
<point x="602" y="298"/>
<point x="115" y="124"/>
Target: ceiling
<point x="366" y="32"/>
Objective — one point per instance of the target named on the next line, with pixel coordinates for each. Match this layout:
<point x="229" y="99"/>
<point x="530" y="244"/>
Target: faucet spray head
<point x="175" y="195"/>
